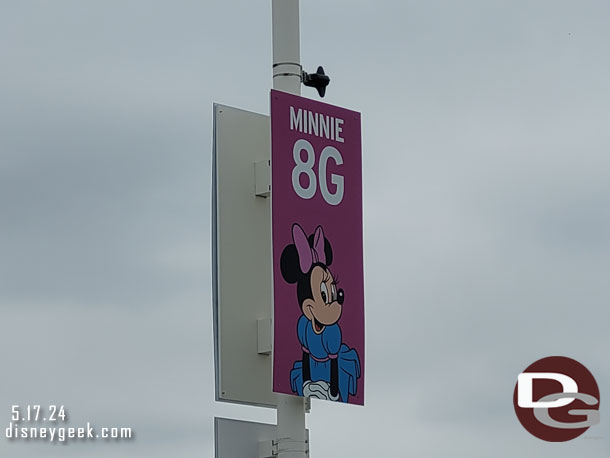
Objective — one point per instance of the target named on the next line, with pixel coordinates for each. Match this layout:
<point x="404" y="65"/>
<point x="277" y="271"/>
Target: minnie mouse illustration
<point x="329" y="369"/>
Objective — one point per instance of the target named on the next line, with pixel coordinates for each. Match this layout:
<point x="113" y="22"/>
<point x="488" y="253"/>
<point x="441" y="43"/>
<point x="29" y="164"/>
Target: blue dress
<point x="322" y="348"/>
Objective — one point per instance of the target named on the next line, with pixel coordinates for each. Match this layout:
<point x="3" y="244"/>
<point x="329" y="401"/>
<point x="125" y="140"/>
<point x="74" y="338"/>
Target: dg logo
<point x="556" y="399"/>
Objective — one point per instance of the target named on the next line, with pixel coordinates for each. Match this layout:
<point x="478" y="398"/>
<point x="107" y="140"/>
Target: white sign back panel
<point x="240" y="439"/>
<point x="241" y="257"/>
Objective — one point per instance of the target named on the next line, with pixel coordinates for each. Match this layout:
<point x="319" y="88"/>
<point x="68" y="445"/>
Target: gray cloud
<point x="485" y="200"/>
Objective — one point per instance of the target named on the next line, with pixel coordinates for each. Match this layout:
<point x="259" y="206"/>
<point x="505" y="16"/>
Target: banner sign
<point x="318" y="282"/>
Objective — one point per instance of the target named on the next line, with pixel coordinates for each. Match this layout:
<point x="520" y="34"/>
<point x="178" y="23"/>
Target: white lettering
<point x="338" y="130"/>
<point x="313" y="123"/>
<point x="324" y="122"/>
<point x="295" y="120"/>
<point x="303" y="168"/>
<point x="318" y="124"/>
<point x="337" y="180"/>
<point x="525" y="390"/>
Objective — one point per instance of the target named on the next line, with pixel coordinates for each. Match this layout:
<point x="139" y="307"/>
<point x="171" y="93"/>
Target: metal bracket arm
<point x="262" y="178"/>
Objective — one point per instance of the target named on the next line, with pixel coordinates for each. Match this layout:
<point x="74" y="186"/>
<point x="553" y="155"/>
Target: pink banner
<point x="318" y="284"/>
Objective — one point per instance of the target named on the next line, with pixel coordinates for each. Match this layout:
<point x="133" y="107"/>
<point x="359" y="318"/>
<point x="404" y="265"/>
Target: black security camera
<point x="319" y="80"/>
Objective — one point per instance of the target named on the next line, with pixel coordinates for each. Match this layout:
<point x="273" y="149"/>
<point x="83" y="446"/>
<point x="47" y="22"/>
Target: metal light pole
<point x="286" y="46"/>
<point x="287" y="77"/>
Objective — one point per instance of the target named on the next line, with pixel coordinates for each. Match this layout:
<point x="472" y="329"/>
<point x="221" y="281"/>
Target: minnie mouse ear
<point x="289" y="264"/>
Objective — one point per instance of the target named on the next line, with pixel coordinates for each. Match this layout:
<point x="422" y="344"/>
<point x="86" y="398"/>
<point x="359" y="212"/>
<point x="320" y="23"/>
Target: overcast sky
<point x="486" y="213"/>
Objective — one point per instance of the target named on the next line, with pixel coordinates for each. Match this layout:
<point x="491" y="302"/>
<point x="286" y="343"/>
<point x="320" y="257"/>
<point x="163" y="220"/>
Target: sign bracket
<point x="262" y="178"/>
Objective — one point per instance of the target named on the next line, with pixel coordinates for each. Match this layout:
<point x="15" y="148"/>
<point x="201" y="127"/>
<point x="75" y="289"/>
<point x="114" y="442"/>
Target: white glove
<point x="318" y="390"/>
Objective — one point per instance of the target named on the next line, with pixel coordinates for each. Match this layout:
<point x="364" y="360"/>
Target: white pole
<point x="286" y="48"/>
<point x="287" y="78"/>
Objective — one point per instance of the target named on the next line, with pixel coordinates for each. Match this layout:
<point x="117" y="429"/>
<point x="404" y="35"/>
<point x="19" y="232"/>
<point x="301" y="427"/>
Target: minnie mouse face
<point x="326" y="305"/>
<point x="305" y="262"/>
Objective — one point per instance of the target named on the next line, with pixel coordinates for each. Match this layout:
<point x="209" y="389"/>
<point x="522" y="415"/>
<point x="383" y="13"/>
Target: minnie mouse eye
<point x="333" y="293"/>
<point x="324" y="292"/>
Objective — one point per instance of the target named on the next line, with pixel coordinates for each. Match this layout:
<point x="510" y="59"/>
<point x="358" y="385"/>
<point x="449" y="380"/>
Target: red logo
<point x="556" y="399"/>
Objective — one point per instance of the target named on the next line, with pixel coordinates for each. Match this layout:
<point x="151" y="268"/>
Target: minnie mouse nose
<point x="340" y="296"/>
